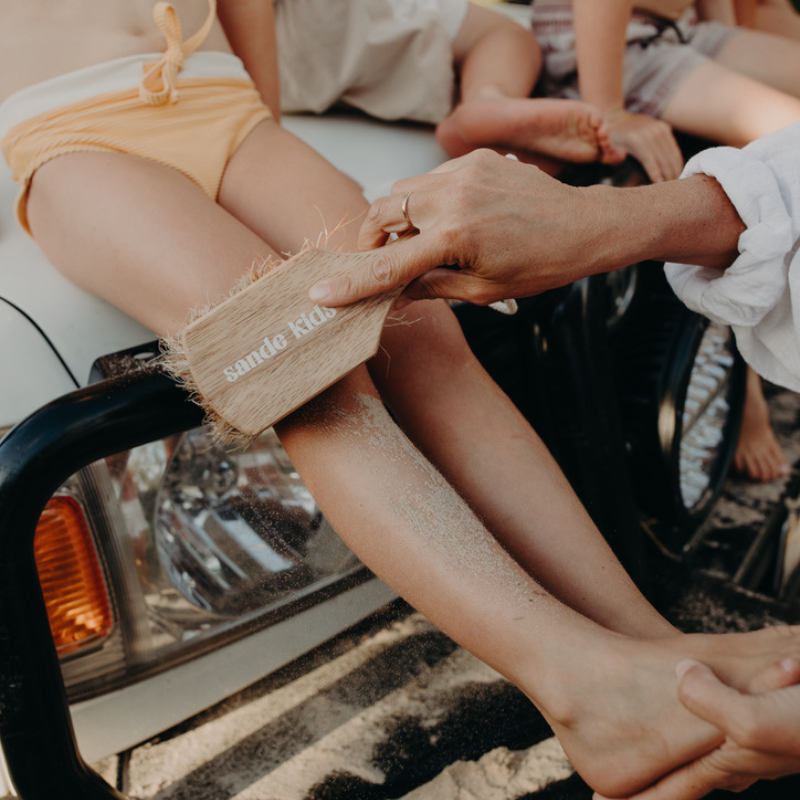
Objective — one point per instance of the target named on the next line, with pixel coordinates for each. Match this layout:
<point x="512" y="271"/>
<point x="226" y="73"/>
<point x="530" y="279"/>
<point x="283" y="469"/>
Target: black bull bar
<point x="36" y="458"/>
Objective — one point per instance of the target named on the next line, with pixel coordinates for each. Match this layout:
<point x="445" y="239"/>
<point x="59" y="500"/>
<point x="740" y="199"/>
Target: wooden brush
<point x="267" y="349"/>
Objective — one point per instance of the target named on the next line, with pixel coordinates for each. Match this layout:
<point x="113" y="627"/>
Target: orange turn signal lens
<point x="72" y="581"/>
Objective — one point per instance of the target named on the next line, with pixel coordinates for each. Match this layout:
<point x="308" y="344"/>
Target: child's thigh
<point x="138" y="234"/>
<point x="289" y="194"/>
<point x="769" y="58"/>
<point x="728" y="107"/>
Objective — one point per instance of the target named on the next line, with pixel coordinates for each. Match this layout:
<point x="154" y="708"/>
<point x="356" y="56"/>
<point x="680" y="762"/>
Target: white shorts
<point x="393" y="59"/>
<point x="659" y="54"/>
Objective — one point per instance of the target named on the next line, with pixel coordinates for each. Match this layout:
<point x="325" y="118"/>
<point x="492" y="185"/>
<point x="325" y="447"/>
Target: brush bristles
<point x="173" y="347"/>
<point x="174" y="360"/>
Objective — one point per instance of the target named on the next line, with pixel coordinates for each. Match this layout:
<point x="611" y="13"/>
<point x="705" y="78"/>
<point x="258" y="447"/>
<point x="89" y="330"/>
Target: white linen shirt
<point x="759" y="294"/>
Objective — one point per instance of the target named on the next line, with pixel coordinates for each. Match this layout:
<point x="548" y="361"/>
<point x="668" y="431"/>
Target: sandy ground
<point x="404" y="701"/>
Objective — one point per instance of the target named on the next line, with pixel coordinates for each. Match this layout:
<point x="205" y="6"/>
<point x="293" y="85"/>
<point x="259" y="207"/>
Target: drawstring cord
<point x="164" y="72"/>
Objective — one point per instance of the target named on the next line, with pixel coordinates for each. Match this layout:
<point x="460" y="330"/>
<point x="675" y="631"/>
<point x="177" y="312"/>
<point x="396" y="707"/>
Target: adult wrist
<point x="615" y="235"/>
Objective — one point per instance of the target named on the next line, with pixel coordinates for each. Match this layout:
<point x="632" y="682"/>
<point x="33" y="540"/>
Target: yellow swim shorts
<point x="197" y="135"/>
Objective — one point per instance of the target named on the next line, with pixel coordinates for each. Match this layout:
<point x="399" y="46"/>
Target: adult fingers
<point x="388" y="268"/>
<point x="456" y="284"/>
<point x="779" y="675"/>
<point x="691" y="782"/>
<point x="765" y="722"/>
<point x="704" y="694"/>
<point x="427" y="197"/>
<point x="385" y="216"/>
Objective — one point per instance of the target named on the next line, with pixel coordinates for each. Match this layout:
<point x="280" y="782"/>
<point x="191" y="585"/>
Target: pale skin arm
<point x="600" y="47"/>
<point x="511" y="231"/>
<point x="762" y="732"/>
<point x="250" y="28"/>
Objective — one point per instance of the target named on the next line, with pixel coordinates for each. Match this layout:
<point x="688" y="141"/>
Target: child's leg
<point x="499" y="62"/>
<point x="758" y="454"/>
<point x="132" y="232"/>
<point x="444" y="398"/>
<point x="446" y="402"/>
<point x="165" y="265"/>
<point x="727" y="107"/>
<point x="769" y="58"/>
<point x="163" y="243"/>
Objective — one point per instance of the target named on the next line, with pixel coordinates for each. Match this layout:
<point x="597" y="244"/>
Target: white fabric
<point x="393" y="59"/>
<point x="759" y="294"/>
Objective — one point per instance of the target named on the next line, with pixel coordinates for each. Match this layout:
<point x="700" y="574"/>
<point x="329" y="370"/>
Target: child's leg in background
<point x="758" y="453"/>
<point x="499" y="63"/>
<point x="752" y="88"/>
<point x="769" y="58"/>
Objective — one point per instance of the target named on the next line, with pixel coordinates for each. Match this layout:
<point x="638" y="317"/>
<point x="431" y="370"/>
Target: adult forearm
<point x="686" y="221"/>
<point x="515" y="232"/>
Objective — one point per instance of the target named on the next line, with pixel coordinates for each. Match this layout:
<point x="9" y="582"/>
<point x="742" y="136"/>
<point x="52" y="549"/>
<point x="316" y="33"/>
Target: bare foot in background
<point x="569" y="130"/>
<point x="758" y="454"/>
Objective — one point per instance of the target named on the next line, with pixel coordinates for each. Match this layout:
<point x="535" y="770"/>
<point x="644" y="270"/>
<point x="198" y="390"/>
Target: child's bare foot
<point x="620" y="721"/>
<point x="568" y="130"/>
<point x="758" y="454"/>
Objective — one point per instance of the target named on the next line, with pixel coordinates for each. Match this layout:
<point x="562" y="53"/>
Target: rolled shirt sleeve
<point x="759" y="294"/>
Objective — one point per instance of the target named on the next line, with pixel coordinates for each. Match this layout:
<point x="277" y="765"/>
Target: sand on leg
<point x="450" y="407"/>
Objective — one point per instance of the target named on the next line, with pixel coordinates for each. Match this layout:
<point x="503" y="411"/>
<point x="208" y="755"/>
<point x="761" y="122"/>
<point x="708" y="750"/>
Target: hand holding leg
<point x="762" y="732"/>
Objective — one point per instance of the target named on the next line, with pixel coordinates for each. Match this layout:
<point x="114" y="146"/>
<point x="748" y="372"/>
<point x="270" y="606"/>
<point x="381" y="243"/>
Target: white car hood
<point x="50" y="328"/>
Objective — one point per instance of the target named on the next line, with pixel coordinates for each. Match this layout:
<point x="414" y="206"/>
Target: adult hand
<point x="762" y="732"/>
<point x="508" y="230"/>
<point x="648" y="140"/>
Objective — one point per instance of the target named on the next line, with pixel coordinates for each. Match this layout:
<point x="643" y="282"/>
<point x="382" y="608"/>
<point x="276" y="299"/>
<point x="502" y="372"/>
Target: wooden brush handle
<point x="268" y="349"/>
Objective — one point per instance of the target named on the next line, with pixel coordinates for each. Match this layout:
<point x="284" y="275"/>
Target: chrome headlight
<point x="236" y="532"/>
<point x="201" y="545"/>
